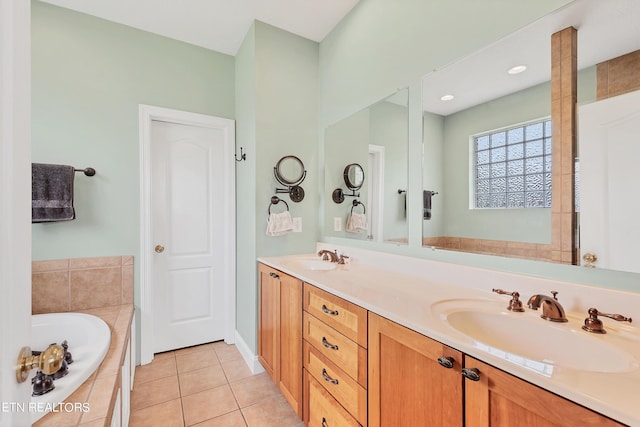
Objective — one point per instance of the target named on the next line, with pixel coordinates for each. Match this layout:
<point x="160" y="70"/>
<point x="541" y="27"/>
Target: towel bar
<point x="86" y="171"/>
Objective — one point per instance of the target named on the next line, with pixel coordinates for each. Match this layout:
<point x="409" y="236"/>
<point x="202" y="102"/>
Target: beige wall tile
<point x="127" y="284"/>
<point x="50" y="292"/>
<point x="127" y="260"/>
<point x="49" y="265"/>
<point x="95" y="288"/>
<point x="95" y="262"/>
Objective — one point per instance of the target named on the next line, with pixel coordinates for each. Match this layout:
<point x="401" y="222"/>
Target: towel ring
<point x="356" y="203"/>
<point x="274" y="201"/>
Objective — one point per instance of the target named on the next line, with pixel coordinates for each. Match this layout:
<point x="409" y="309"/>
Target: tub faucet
<point x="328" y="255"/>
<point x="551" y="308"/>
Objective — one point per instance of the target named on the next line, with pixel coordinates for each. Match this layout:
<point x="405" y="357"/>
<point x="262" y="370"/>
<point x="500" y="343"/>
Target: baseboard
<point x="249" y="358"/>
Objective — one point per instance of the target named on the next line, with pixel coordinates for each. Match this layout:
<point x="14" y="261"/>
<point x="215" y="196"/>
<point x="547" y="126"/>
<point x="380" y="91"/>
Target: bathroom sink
<point x="316" y="264"/>
<point x="528" y="340"/>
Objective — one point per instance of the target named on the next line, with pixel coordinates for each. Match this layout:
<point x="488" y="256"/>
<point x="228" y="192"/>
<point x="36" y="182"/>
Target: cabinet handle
<point x="472" y="374"/>
<point x="331" y="312"/>
<point x="327" y="345"/>
<point x="274" y="275"/>
<point x="324" y="422"/>
<point x="446" y="361"/>
<point x="327" y="378"/>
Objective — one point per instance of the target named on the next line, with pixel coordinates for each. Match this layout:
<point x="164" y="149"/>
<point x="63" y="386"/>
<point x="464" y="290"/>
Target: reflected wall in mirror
<point x="377" y="139"/>
<point x="488" y="98"/>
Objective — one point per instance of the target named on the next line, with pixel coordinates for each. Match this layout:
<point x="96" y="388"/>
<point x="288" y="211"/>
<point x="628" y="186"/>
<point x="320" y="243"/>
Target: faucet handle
<point x="515" y="304"/>
<point x="342" y="259"/>
<point x="593" y="324"/>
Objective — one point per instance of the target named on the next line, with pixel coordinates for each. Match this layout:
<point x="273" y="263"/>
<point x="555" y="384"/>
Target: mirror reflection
<point x="376" y="139"/>
<point x="353" y="176"/>
<point x="474" y="105"/>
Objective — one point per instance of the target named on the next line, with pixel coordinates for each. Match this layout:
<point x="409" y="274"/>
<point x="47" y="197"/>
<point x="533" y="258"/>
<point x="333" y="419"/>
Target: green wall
<point x="276" y="110"/>
<point x="88" y="77"/>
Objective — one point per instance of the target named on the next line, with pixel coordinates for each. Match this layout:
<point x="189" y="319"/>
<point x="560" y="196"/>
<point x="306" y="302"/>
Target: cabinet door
<point x="290" y="344"/>
<point x="500" y="399"/>
<point x="407" y="385"/>
<point x="269" y="284"/>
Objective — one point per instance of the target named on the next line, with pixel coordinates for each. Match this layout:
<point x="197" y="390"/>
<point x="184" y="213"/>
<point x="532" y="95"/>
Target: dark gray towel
<point x="426" y="204"/>
<point x="52" y="192"/>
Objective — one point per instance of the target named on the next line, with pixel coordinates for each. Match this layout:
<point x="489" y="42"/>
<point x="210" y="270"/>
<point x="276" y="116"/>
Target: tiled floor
<point x="206" y="386"/>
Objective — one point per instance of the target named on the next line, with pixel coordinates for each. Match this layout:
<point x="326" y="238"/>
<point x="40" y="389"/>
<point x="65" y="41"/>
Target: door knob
<point x="159" y="249"/>
<point x="590" y="260"/>
<point x="49" y="361"/>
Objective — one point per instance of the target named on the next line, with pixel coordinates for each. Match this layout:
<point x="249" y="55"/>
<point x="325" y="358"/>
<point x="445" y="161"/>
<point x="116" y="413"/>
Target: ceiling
<point x="219" y="25"/>
<point x="606" y="29"/>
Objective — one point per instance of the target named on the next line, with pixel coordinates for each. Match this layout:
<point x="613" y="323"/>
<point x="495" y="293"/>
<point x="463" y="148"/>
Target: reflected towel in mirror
<point x="279" y="224"/>
<point x="356" y="223"/>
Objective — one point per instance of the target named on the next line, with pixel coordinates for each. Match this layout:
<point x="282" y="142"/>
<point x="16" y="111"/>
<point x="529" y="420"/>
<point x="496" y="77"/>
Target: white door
<point x="15" y="211"/>
<point x="188" y="201"/>
<point x="609" y="138"/>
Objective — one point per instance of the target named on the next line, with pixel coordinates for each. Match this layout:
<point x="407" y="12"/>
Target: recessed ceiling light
<point x="517" y="69"/>
<point x="446" y="98"/>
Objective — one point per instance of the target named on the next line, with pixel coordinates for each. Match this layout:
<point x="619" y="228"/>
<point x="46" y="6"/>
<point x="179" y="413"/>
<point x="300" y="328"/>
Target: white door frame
<point x="376" y="192"/>
<point x="147" y="114"/>
<point x="15" y="209"/>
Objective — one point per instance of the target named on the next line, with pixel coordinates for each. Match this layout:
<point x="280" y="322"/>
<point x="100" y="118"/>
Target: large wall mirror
<point x="475" y="106"/>
<point x="376" y="138"/>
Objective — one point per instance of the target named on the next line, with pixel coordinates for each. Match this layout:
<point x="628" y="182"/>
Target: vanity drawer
<point x="351" y="395"/>
<point x="346" y="354"/>
<point x="347" y="318"/>
<point x="322" y="409"/>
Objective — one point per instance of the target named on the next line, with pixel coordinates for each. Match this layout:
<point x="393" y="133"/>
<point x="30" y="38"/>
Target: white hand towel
<point x="356" y="223"/>
<point x="279" y="224"/>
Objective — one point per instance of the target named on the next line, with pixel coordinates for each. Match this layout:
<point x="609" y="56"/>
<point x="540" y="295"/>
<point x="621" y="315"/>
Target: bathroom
<point x="84" y="112"/>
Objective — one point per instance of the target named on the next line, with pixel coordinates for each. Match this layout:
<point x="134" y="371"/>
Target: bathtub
<point x="88" y="337"/>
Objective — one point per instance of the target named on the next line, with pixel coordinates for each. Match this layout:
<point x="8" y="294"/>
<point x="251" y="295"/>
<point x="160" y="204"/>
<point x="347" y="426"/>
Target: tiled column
<point x="564" y="48"/>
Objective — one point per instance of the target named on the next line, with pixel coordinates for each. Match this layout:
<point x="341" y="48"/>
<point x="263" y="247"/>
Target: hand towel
<point x="426" y="204"/>
<point x="356" y="223"/>
<point x="52" y="193"/>
<point x="279" y="224"/>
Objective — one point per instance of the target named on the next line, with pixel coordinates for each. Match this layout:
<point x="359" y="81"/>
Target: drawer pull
<point x="331" y="312"/>
<point x="326" y="344"/>
<point x="324" y="422"/>
<point x="327" y="378"/>
<point x="274" y="275"/>
<point x="446" y="361"/>
<point x="472" y="374"/>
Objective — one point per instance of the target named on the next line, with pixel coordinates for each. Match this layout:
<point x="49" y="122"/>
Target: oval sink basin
<point x="316" y="264"/>
<point x="528" y="340"/>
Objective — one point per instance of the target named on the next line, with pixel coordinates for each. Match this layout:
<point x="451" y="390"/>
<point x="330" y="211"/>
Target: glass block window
<point x="513" y="167"/>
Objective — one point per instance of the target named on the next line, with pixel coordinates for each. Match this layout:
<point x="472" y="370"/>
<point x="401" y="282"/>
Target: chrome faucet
<point x="551" y="308"/>
<point x="328" y="255"/>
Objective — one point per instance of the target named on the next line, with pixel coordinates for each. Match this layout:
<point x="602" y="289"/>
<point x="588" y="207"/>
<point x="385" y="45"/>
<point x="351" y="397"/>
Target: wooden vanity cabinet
<point x="500" y="399"/>
<point x="280" y="332"/>
<point x="335" y="360"/>
<point x="407" y="385"/>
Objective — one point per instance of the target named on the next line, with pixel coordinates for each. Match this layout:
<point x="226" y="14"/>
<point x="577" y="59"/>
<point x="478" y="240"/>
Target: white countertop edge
<point x="473" y="282"/>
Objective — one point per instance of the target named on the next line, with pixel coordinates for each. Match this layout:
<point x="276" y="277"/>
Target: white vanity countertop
<point x="405" y="289"/>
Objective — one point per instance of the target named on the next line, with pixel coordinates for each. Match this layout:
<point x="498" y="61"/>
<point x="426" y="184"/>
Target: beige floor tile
<point x="273" y="412"/>
<point x="208" y="404"/>
<point x="254" y="389"/>
<point x="160" y="368"/>
<point x="198" y="360"/>
<point x="226" y="352"/>
<point x="154" y="392"/>
<point x="236" y="370"/>
<point x="201" y="379"/>
<point x="163" y="355"/>
<point x="167" y="414"/>
<point x="232" y="419"/>
<point x="194" y="349"/>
